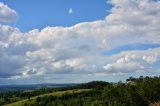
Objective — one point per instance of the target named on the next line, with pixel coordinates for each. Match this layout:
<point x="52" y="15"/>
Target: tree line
<point x="134" y="92"/>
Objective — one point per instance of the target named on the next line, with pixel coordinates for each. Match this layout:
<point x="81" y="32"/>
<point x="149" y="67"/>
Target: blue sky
<point x="73" y="41"/>
<point x="35" y="14"/>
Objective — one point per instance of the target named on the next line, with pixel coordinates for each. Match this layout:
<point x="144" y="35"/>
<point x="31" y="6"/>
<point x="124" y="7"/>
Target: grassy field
<point x="59" y="93"/>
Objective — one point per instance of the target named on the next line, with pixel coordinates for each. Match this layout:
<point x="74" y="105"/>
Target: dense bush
<point x="134" y="92"/>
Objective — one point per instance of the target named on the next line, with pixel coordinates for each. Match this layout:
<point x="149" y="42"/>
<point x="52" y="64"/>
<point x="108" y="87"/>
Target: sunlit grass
<point x="59" y="93"/>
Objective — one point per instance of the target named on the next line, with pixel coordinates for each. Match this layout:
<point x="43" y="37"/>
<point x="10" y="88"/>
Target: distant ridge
<point x="5" y="88"/>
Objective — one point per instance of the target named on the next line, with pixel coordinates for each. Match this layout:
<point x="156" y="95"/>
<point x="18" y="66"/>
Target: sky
<point x="33" y="14"/>
<point x="75" y="41"/>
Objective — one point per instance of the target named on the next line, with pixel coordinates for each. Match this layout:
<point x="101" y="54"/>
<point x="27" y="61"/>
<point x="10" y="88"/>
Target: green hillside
<point x="142" y="91"/>
<point x="59" y="93"/>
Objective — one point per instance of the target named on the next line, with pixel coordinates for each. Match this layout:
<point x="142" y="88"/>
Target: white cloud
<point x="80" y="48"/>
<point x="133" y="61"/>
<point x="70" y="11"/>
<point x="7" y="14"/>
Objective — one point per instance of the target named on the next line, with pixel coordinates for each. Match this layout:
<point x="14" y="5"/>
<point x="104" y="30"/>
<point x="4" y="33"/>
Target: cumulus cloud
<point x="7" y="14"/>
<point x="80" y="48"/>
<point x="134" y="61"/>
<point x="70" y="11"/>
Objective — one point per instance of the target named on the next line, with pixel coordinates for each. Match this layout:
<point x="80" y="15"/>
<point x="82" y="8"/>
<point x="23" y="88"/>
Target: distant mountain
<point x="4" y="88"/>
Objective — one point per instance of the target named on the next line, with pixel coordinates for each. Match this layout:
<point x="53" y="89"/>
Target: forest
<point x="142" y="91"/>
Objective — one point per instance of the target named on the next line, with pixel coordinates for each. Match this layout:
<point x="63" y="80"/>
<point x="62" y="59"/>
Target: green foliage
<point x="135" y="92"/>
